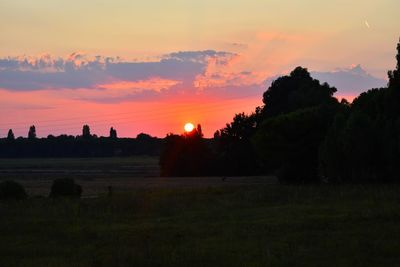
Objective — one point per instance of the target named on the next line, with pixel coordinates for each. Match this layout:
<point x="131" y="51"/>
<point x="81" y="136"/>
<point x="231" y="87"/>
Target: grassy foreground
<point x="227" y="226"/>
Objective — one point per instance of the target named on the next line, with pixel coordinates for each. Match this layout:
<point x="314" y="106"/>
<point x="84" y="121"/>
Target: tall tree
<point x="113" y="133"/>
<point x="86" y="131"/>
<point x="10" y="135"/>
<point x="296" y="91"/>
<point x="32" y="132"/>
<point x="394" y="75"/>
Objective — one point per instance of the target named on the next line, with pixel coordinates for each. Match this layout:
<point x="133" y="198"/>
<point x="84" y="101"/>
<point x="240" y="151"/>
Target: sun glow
<point x="188" y="127"/>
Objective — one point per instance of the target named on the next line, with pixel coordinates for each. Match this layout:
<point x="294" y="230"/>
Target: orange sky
<point x="117" y="63"/>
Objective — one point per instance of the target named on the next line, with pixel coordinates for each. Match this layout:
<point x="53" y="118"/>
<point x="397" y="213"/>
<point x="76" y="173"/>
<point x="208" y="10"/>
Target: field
<point x="184" y="222"/>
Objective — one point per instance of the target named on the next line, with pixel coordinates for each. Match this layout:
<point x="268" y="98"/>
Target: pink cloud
<point x="154" y="83"/>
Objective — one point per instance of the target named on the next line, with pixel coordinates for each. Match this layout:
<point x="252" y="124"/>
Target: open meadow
<point x="186" y="222"/>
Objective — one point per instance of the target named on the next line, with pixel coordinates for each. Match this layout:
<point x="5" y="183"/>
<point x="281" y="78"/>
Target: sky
<point x="151" y="66"/>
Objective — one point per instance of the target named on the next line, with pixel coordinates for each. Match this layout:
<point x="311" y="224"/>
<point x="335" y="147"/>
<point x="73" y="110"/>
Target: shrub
<point x="12" y="190"/>
<point x="64" y="188"/>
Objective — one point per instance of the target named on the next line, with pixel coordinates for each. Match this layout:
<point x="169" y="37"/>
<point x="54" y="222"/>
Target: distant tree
<point x="199" y="131"/>
<point x="143" y="136"/>
<point x="32" y="132"/>
<point x="113" y="133"/>
<point x="86" y="131"/>
<point x="186" y="155"/>
<point x="10" y="135"/>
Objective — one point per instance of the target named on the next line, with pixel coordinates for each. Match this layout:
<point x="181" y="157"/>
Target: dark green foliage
<point x="65" y="187"/>
<point x="288" y="144"/>
<point x="11" y="190"/>
<point x="297" y="113"/>
<point x="363" y="145"/>
<point x="235" y="151"/>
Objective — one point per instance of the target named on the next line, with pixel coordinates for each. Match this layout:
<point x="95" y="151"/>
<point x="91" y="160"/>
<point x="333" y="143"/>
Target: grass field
<point x="255" y="225"/>
<point x="96" y="174"/>
<point x="31" y="168"/>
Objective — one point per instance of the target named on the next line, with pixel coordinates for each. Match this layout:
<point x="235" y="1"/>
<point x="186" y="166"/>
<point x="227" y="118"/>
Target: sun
<point x="188" y="127"/>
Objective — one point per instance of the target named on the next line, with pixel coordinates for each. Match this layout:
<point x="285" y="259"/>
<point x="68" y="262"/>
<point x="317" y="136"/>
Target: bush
<point x="12" y="190"/>
<point x="65" y="188"/>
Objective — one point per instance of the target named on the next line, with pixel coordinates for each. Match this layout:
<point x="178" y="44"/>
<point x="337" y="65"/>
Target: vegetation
<point x="36" y="173"/>
<point x="303" y="134"/>
<point x="11" y="190"/>
<point x="65" y="187"/>
<point x="186" y="155"/>
<point x="363" y="142"/>
<point x="231" y="226"/>
<point x="86" y="145"/>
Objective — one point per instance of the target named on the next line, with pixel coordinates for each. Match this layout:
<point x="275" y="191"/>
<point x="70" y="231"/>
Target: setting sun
<point x="189" y="127"/>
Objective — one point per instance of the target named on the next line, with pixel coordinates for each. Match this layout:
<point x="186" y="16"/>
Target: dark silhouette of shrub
<point x="65" y="188"/>
<point x="11" y="190"/>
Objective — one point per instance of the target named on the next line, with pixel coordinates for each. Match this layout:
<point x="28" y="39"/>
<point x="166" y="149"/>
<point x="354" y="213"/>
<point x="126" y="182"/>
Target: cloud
<point x="108" y="79"/>
<point x="104" y="79"/>
<point x="350" y="81"/>
<point x="156" y="84"/>
<point x="81" y="71"/>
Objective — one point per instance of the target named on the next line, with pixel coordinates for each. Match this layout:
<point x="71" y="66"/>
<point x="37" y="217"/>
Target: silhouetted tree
<point x="296" y="91"/>
<point x="199" y="131"/>
<point x="113" y="133"/>
<point x="288" y="144"/>
<point x="10" y="135"/>
<point x="86" y="131"/>
<point x="186" y="155"/>
<point x="394" y="75"/>
<point x="235" y="152"/>
<point x="362" y="145"/>
<point x="32" y="132"/>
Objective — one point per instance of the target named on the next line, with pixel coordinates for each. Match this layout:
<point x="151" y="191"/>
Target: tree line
<point x="85" y="145"/>
<point x="302" y="134"/>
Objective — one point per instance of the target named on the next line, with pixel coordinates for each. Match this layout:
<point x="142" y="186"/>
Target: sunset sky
<point x="151" y="66"/>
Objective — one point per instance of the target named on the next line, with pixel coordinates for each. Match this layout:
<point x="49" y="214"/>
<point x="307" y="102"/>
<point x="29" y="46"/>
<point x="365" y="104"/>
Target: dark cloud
<point x="351" y="81"/>
<point x="189" y="72"/>
<point x="77" y="71"/>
